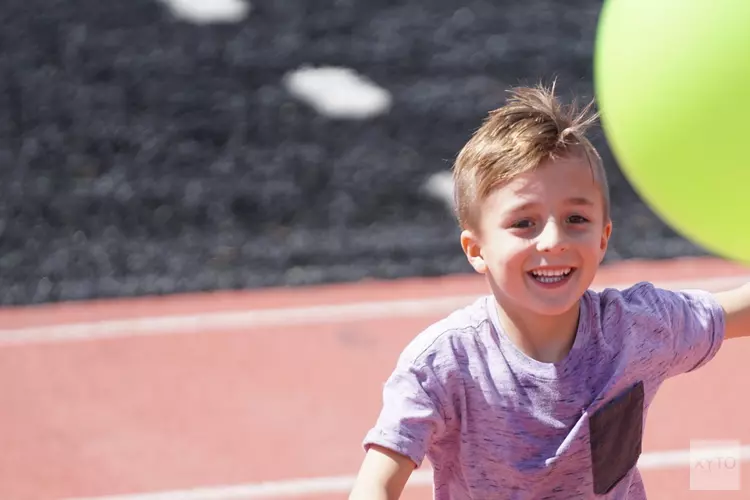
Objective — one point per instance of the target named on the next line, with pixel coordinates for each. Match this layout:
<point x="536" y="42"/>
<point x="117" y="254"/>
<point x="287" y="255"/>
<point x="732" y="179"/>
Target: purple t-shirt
<point x="495" y="423"/>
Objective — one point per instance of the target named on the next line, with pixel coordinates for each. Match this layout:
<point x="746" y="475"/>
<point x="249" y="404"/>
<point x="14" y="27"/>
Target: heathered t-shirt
<point x="495" y="423"/>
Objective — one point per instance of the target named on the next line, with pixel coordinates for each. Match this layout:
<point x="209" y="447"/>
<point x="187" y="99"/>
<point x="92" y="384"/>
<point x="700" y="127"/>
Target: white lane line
<point x="296" y="488"/>
<point x="253" y="319"/>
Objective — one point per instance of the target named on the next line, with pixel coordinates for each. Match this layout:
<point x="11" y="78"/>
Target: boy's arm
<point x="383" y="475"/>
<point x="415" y="414"/>
<point x="736" y="305"/>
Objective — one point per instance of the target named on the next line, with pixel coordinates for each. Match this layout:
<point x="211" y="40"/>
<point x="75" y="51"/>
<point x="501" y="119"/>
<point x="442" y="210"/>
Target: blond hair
<point x="531" y="128"/>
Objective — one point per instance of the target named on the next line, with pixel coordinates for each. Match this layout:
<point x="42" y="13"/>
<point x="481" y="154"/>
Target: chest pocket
<point x="616" y="435"/>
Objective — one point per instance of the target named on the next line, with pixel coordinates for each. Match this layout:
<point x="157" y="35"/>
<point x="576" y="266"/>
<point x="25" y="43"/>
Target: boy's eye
<point x="577" y="219"/>
<point x="522" y="224"/>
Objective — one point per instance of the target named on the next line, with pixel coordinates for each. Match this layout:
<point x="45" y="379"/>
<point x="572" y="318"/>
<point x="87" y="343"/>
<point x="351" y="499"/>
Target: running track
<point x="267" y="394"/>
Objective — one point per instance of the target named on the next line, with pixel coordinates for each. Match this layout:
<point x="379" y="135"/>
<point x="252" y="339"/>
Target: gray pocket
<point x="616" y="433"/>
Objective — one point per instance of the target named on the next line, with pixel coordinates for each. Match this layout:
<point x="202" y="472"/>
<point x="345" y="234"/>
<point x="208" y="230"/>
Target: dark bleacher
<point x="144" y="155"/>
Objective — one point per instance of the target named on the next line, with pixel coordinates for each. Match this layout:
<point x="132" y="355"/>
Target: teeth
<point x="550" y="276"/>
<point x="549" y="279"/>
<point x="550" y="273"/>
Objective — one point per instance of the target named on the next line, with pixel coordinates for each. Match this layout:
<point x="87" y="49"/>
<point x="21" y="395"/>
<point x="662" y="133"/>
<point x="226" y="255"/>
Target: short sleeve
<point x="691" y="325"/>
<point x="412" y="414"/>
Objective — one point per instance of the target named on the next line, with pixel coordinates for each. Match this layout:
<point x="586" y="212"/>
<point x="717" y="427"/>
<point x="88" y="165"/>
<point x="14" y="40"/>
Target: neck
<point x="545" y="338"/>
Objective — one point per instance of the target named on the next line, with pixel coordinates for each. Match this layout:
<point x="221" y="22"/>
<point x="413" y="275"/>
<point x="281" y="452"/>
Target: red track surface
<point x="237" y="406"/>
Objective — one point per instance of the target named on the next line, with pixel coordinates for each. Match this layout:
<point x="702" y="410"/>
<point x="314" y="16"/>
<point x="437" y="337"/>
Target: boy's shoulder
<point x="642" y="296"/>
<point x="448" y="337"/>
<point x="634" y="294"/>
<point x="655" y="312"/>
<point x="671" y="330"/>
<point x="645" y="298"/>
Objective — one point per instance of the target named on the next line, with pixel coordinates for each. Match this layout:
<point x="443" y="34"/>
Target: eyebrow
<point x="575" y="201"/>
<point x="579" y="201"/>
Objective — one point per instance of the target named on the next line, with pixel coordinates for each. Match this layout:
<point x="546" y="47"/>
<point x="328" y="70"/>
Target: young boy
<point x="539" y="390"/>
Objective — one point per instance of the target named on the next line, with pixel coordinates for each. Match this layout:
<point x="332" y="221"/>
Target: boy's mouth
<point x="552" y="276"/>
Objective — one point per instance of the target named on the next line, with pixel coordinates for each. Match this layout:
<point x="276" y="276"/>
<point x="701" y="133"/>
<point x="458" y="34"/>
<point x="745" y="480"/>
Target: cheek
<point x="508" y="253"/>
<point x="590" y="243"/>
<point x="590" y="235"/>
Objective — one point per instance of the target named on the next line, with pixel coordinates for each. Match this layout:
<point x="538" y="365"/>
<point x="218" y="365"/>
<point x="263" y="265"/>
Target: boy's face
<point x="541" y="237"/>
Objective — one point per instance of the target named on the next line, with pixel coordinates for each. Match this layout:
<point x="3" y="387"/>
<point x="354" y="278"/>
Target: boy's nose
<point x="551" y="239"/>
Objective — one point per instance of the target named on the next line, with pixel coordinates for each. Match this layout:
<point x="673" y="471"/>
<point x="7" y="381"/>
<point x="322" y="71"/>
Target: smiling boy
<point x="540" y="389"/>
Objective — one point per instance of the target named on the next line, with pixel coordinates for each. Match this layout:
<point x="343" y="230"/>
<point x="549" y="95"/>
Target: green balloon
<point x="672" y="82"/>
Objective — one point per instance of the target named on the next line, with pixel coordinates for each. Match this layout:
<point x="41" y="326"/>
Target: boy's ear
<point x="473" y="249"/>
<point x="606" y="233"/>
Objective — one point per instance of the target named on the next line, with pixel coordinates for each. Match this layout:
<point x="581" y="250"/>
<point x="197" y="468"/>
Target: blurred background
<point x="165" y="146"/>
<point x="155" y="148"/>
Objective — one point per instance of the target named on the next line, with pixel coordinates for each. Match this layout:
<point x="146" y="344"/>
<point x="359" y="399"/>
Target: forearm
<point x="736" y="305"/>
<point x="377" y="488"/>
<point x="383" y="475"/>
<point x="370" y="492"/>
